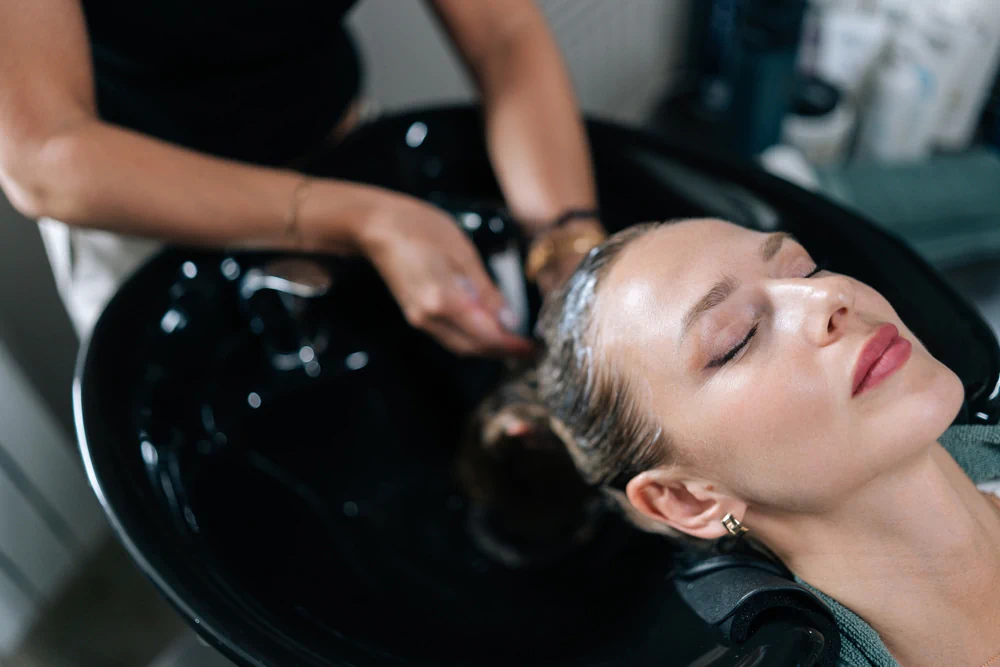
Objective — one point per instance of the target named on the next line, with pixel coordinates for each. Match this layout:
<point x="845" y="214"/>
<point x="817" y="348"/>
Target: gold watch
<point x="559" y="244"/>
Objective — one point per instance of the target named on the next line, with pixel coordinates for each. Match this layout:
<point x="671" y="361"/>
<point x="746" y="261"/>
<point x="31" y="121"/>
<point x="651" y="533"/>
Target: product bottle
<point x="935" y="38"/>
<point x="978" y="61"/>
<point x="852" y="42"/>
<point x="895" y="127"/>
<point x="749" y="79"/>
<point x="820" y="123"/>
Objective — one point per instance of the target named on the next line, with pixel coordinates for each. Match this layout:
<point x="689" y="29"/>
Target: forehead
<point x="658" y="276"/>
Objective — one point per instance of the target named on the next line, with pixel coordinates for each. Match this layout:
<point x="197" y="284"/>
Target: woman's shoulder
<point x="860" y="644"/>
<point x="976" y="448"/>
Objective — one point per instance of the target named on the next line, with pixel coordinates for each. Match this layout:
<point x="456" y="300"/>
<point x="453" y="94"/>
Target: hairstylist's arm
<point x="57" y="159"/>
<point x="536" y="135"/>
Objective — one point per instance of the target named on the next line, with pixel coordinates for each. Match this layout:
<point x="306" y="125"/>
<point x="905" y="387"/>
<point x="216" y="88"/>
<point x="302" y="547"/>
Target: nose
<point x="828" y="305"/>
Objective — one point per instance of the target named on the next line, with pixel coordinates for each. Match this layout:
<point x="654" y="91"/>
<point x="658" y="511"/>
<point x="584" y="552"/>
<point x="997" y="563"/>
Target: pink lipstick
<point x="884" y="353"/>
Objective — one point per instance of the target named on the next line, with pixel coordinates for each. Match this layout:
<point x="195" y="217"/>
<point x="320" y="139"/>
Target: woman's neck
<point x="916" y="555"/>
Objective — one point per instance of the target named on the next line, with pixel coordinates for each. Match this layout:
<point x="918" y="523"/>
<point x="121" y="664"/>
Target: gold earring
<point x="733" y="525"/>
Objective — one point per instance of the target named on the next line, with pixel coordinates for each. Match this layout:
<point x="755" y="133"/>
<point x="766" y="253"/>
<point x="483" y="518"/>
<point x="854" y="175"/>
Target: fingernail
<point x="469" y="288"/>
<point x="508" y="319"/>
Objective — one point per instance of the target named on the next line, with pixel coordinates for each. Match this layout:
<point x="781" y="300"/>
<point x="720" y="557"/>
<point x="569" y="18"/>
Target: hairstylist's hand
<point x="437" y="277"/>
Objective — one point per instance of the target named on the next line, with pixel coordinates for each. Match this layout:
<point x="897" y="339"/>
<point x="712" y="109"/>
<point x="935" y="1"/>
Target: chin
<point x="932" y="396"/>
<point x="910" y="423"/>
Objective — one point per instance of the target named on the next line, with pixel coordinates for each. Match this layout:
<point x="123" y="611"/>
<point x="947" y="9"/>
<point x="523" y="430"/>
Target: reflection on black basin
<point x="278" y="460"/>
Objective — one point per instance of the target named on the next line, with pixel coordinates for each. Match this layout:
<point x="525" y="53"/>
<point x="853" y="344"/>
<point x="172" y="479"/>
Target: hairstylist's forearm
<point x="98" y="175"/>
<point x="536" y="135"/>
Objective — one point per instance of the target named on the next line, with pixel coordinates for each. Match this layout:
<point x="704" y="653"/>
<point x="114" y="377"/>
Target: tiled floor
<point x="189" y="651"/>
<point x="110" y="616"/>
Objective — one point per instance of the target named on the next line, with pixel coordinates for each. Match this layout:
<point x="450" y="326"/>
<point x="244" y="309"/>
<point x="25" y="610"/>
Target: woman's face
<point x="750" y="359"/>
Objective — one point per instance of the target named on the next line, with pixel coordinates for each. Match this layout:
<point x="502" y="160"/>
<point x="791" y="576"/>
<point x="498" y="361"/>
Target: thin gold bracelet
<point x="292" y="229"/>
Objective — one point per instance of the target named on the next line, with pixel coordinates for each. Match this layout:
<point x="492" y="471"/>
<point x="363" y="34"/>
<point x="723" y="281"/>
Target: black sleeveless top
<point x="262" y="81"/>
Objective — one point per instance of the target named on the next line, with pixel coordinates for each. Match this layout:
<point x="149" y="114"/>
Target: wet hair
<point x="593" y="404"/>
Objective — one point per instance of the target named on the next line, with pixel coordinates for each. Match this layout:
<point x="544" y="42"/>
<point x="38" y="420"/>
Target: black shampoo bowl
<point x="272" y="443"/>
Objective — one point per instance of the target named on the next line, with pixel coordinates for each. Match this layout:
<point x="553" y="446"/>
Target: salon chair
<point x="272" y="443"/>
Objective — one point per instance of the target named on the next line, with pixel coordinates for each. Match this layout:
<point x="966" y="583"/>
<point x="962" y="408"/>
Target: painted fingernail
<point x="508" y="319"/>
<point x="469" y="288"/>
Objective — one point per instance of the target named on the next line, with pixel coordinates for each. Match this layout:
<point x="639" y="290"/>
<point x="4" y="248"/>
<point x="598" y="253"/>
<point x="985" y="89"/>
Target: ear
<point x="692" y="506"/>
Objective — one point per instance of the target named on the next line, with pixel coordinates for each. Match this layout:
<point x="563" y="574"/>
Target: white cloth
<point x="991" y="487"/>
<point x="89" y="265"/>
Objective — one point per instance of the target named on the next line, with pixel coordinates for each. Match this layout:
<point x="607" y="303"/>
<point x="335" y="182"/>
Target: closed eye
<point x="729" y="356"/>
<point x="821" y="266"/>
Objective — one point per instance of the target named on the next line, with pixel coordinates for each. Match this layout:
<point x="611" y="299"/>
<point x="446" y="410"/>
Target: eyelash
<point x="729" y="356"/>
<point x="819" y="267"/>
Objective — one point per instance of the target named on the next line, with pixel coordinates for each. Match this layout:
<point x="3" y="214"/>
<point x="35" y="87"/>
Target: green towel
<point x="947" y="207"/>
<point x="977" y="450"/>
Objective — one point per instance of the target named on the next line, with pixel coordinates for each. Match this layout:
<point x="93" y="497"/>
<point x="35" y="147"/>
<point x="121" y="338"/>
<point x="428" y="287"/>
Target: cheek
<point x="765" y="426"/>
<point x="778" y="395"/>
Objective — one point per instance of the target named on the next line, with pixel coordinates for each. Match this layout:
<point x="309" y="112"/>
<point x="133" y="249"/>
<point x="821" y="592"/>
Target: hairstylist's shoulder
<point x="46" y="77"/>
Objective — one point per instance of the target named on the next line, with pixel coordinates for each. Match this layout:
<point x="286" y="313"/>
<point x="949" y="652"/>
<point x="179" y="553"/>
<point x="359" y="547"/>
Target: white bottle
<point x="979" y="60"/>
<point x="897" y="11"/>
<point x="934" y="38"/>
<point x="851" y="43"/>
<point x="895" y="128"/>
<point x="822" y="139"/>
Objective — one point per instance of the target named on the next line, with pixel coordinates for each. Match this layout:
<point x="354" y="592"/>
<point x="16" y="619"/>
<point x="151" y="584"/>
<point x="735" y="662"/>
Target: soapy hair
<point x="594" y="406"/>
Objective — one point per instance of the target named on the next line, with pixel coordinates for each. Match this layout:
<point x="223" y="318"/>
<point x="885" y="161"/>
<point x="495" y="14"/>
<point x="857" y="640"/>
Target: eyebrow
<point x="772" y="244"/>
<point x="724" y="288"/>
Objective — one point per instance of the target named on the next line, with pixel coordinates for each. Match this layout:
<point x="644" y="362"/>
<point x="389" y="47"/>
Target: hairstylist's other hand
<point x="438" y="279"/>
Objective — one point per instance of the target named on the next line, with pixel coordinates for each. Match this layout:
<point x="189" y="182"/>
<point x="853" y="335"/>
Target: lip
<point x="884" y="353"/>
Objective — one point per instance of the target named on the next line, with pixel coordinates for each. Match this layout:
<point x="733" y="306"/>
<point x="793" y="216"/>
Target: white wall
<point x="621" y="53"/>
